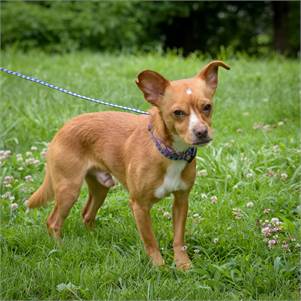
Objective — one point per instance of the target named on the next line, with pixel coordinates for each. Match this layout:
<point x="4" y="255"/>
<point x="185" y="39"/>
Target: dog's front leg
<point x="180" y="209"/>
<point x="141" y="213"/>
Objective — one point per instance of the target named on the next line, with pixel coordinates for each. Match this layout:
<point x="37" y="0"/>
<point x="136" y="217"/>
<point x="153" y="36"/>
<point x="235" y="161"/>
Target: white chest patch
<point x="172" y="179"/>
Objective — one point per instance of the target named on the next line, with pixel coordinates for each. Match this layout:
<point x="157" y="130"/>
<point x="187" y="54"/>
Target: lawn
<point x="243" y="229"/>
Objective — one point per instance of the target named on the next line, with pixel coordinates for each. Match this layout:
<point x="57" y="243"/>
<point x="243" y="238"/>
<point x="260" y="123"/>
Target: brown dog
<point x="151" y="155"/>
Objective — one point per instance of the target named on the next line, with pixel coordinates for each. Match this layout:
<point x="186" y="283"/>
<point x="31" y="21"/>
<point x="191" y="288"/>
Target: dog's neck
<point x="161" y="131"/>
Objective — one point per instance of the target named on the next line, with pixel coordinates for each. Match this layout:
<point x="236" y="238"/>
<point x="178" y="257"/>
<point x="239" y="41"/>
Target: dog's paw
<point x="89" y="222"/>
<point x="158" y="263"/>
<point x="184" y="266"/>
<point x="182" y="260"/>
<point x="157" y="260"/>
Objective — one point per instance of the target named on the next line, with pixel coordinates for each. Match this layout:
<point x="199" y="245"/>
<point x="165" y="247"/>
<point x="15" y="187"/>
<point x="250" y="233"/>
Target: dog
<point x="151" y="155"/>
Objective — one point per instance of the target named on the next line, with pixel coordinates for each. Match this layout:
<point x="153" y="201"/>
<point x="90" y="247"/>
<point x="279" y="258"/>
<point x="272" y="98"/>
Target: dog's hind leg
<point x="66" y="193"/>
<point x="97" y="195"/>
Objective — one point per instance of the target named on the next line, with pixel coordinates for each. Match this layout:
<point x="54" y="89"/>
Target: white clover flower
<point x="275" y="230"/>
<point x="19" y="157"/>
<point x="213" y="199"/>
<point x="250" y="205"/>
<point x="8" y="180"/>
<point x="270" y="173"/>
<point x="33" y="148"/>
<point x="167" y="215"/>
<point x="36" y="162"/>
<point x="215" y="240"/>
<point x="23" y="189"/>
<point x="202" y="173"/>
<point x="274" y="220"/>
<point x="28" y="178"/>
<point x="243" y="157"/>
<point x="43" y="153"/>
<point x="283" y="176"/>
<point x="5" y="154"/>
<point x="6" y="195"/>
<point x="14" y="206"/>
<point x="236" y="186"/>
<point x="266" y="231"/>
<point x="272" y="242"/>
<point x="29" y="161"/>
<point x="266" y="210"/>
<point x="257" y="126"/>
<point x="267" y="127"/>
<point x="237" y="213"/>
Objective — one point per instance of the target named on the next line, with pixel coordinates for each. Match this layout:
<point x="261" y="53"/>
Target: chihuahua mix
<point x="151" y="155"/>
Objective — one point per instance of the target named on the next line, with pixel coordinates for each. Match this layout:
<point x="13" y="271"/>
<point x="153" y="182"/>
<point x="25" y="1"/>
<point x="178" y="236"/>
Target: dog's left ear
<point x="210" y="73"/>
<point x="153" y="86"/>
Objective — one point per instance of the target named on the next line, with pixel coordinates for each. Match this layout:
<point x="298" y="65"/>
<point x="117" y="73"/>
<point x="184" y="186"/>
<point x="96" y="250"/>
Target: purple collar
<point x="169" y="152"/>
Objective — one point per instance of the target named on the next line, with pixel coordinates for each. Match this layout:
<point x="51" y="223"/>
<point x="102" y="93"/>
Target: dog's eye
<point x="207" y="109"/>
<point x="179" y="113"/>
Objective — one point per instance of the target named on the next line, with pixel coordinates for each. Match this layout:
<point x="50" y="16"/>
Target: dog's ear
<point x="210" y="71"/>
<point x="153" y="86"/>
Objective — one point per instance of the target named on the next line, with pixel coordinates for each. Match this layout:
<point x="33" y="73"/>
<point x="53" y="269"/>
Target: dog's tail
<point x="43" y="194"/>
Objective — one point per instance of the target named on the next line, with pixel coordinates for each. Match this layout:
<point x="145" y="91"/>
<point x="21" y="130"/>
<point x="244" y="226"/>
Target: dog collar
<point x="169" y="152"/>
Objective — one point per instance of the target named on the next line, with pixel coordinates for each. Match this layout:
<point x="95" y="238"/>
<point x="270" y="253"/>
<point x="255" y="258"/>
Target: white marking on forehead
<point x="193" y="120"/>
<point x="188" y="91"/>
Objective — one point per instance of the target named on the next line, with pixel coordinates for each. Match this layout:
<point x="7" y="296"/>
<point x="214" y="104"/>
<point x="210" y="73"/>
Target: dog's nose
<point x="200" y="132"/>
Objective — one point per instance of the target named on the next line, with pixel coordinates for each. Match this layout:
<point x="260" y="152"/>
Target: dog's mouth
<point x="202" y="142"/>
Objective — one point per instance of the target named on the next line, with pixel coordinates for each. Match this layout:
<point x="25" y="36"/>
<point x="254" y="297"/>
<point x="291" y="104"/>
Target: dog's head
<point x="185" y="105"/>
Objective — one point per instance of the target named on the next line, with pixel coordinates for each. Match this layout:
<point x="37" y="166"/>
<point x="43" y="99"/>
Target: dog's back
<point x="76" y="141"/>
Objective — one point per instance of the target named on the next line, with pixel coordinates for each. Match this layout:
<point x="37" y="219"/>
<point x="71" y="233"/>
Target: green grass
<point x="255" y="157"/>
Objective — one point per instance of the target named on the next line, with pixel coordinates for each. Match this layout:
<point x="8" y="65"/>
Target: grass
<point x="247" y="176"/>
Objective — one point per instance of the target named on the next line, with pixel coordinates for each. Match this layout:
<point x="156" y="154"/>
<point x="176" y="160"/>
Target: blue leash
<point x="95" y="100"/>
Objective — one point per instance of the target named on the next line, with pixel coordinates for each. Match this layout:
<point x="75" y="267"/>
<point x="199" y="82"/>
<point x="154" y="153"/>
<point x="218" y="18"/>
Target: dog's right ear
<point x="153" y="86"/>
